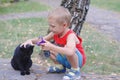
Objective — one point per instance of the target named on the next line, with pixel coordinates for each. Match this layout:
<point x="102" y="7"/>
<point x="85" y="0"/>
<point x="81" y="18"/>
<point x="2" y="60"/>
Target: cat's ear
<point x="29" y="46"/>
<point x="21" y="47"/>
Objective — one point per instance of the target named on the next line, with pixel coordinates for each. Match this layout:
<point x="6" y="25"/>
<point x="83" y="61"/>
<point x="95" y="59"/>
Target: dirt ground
<point x="38" y="72"/>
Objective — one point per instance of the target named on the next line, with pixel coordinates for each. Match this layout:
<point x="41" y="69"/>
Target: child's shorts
<point x="63" y="60"/>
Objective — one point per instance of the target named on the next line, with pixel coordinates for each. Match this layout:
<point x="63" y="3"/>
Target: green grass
<point x="113" y="5"/>
<point x="13" y="32"/>
<point x="102" y="52"/>
<point x="22" y="6"/>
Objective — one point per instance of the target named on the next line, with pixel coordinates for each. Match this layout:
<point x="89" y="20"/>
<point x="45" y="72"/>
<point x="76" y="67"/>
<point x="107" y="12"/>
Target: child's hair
<point x="61" y="15"/>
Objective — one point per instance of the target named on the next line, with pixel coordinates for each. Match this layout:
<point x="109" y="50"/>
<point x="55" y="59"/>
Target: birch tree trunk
<point x="78" y="10"/>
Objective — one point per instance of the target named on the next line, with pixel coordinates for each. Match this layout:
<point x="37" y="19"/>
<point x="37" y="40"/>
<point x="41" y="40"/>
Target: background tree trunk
<point x="78" y="10"/>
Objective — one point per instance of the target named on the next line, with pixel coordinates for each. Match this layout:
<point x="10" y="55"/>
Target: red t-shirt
<point x="62" y="42"/>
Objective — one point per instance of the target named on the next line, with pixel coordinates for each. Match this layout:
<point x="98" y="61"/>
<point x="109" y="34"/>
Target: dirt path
<point x="38" y="73"/>
<point x="107" y="22"/>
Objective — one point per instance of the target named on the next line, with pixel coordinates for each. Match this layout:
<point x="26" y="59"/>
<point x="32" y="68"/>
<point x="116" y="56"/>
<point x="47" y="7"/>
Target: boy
<point x="67" y="48"/>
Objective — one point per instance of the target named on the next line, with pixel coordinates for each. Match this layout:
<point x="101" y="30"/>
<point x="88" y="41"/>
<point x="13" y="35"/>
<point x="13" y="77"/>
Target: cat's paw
<point x="22" y="73"/>
<point x="28" y="72"/>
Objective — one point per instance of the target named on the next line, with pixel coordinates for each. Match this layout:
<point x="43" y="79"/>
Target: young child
<point x="67" y="48"/>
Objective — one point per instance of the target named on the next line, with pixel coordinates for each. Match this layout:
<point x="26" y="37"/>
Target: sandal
<point x="72" y="75"/>
<point x="53" y="69"/>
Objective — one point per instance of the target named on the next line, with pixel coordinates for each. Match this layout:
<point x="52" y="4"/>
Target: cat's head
<point x="28" y="49"/>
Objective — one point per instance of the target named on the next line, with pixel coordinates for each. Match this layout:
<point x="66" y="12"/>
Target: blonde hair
<point x="61" y="15"/>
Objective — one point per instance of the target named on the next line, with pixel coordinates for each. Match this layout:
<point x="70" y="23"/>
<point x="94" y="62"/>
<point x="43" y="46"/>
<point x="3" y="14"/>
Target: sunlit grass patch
<point x="111" y="4"/>
<point x="102" y="52"/>
<point x="22" y="6"/>
<point x="14" y="32"/>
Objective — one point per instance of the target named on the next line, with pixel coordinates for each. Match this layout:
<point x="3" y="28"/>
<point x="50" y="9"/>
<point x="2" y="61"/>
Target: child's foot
<point x="53" y="69"/>
<point x="72" y="75"/>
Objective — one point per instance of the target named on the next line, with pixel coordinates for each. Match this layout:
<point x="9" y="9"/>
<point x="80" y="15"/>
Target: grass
<point x="22" y="6"/>
<point x="113" y="5"/>
<point x="13" y="32"/>
<point x="102" y="53"/>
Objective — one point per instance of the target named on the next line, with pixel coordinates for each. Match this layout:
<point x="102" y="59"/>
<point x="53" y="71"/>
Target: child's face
<point x="56" y="27"/>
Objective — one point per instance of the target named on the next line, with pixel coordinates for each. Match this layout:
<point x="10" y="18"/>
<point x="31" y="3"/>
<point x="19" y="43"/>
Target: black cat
<point x="22" y="59"/>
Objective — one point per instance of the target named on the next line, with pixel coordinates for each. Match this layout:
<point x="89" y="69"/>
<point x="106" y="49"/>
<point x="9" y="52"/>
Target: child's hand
<point x="27" y="42"/>
<point x="46" y="46"/>
<point x="40" y="42"/>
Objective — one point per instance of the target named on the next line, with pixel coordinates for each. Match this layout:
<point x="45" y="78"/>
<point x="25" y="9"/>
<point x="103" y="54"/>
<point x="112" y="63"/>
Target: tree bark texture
<point x="78" y="10"/>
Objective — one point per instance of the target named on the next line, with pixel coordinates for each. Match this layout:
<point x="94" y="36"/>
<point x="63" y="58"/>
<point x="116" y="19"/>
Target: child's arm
<point x="47" y="37"/>
<point x="68" y="50"/>
<point x="70" y="46"/>
<point x="35" y="40"/>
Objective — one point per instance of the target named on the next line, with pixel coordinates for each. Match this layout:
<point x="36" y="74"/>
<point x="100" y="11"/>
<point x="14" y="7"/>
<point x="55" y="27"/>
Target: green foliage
<point x="107" y="4"/>
<point x="4" y="1"/>
<point x="23" y="6"/>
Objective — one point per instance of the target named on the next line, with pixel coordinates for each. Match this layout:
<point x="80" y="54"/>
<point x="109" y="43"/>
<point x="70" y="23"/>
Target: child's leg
<point x="60" y="59"/>
<point x="53" y="58"/>
<point x="65" y="62"/>
<point x="58" y="68"/>
<point x="80" y="58"/>
<point x="76" y="64"/>
<point x="75" y="60"/>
